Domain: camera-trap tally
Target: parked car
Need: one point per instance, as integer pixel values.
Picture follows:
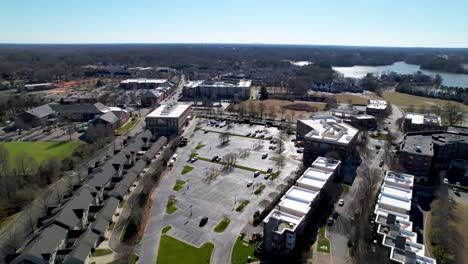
(174, 157)
(335, 214)
(269, 170)
(300, 150)
(203, 221)
(267, 176)
(249, 183)
(256, 174)
(381, 163)
(265, 155)
(248, 134)
(341, 202)
(192, 160)
(446, 181)
(330, 221)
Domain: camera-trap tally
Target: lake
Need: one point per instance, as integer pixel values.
(448, 79)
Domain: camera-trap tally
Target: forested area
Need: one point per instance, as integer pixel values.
(40, 63)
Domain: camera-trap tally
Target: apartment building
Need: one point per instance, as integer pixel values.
(425, 153)
(287, 222)
(393, 221)
(377, 107)
(142, 83)
(323, 135)
(235, 89)
(168, 120)
(422, 122)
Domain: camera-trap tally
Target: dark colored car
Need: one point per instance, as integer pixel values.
(203, 221)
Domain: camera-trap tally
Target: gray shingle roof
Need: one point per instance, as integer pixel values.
(79, 254)
(39, 248)
(41, 111)
(109, 208)
(109, 117)
(96, 108)
(70, 214)
(100, 225)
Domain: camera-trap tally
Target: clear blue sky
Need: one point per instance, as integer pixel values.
(429, 23)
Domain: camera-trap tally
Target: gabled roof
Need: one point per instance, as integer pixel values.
(100, 225)
(96, 108)
(79, 254)
(103, 177)
(70, 214)
(109, 208)
(38, 250)
(41, 111)
(109, 117)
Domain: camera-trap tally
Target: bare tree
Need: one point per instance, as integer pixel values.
(453, 113)
(229, 161)
(223, 138)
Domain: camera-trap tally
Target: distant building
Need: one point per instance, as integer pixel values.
(168, 120)
(39, 116)
(356, 119)
(424, 154)
(39, 87)
(337, 86)
(142, 83)
(324, 135)
(393, 221)
(377, 107)
(422, 122)
(152, 98)
(235, 89)
(287, 222)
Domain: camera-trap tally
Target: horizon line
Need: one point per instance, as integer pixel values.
(224, 43)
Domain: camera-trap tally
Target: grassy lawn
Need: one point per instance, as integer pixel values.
(175, 251)
(199, 146)
(179, 185)
(186, 170)
(101, 252)
(243, 204)
(241, 251)
(111, 226)
(345, 188)
(323, 243)
(121, 204)
(222, 225)
(127, 126)
(166, 229)
(5, 222)
(41, 150)
(170, 207)
(381, 137)
(354, 99)
(259, 190)
(405, 100)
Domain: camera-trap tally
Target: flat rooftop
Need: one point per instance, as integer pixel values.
(325, 163)
(330, 128)
(217, 83)
(420, 119)
(144, 80)
(399, 179)
(287, 221)
(377, 104)
(169, 111)
(418, 144)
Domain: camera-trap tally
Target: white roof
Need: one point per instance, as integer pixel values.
(419, 119)
(380, 210)
(293, 204)
(395, 197)
(289, 221)
(193, 84)
(377, 104)
(330, 128)
(399, 179)
(144, 80)
(169, 111)
(241, 83)
(325, 163)
(302, 194)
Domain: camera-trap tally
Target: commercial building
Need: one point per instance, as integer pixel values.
(425, 153)
(287, 222)
(168, 120)
(142, 83)
(377, 107)
(323, 135)
(422, 122)
(39, 87)
(393, 221)
(356, 119)
(235, 89)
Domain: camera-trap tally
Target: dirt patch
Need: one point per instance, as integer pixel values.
(280, 108)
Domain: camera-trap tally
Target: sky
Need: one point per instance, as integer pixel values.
(404, 23)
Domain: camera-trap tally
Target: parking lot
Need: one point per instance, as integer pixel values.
(216, 193)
